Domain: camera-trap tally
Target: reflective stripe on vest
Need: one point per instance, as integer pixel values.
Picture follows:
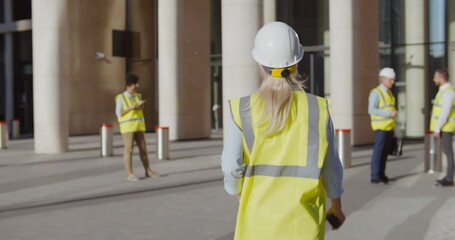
(133, 121)
(126, 102)
(282, 171)
(449, 125)
(386, 103)
(245, 115)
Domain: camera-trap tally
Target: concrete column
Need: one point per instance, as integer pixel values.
(451, 38)
(241, 19)
(50, 75)
(269, 11)
(354, 64)
(184, 68)
(167, 64)
(9, 68)
(415, 68)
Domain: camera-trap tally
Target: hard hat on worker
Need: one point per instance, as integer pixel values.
(277, 45)
(387, 72)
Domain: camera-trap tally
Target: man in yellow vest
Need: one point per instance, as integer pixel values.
(129, 111)
(279, 157)
(442, 121)
(381, 107)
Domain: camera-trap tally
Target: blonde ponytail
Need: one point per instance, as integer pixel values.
(276, 99)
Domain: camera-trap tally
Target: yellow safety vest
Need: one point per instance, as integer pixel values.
(387, 103)
(436, 112)
(133, 121)
(282, 193)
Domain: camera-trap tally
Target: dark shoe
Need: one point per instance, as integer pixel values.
(440, 180)
(444, 183)
(376, 181)
(385, 179)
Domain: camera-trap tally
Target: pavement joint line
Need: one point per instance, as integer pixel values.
(109, 195)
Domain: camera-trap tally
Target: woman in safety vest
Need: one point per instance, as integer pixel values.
(129, 110)
(279, 157)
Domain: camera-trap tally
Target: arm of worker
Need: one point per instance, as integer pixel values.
(118, 107)
(373, 103)
(332, 170)
(232, 163)
(447, 104)
(332, 175)
(119, 111)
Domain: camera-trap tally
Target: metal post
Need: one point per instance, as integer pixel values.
(107, 140)
(162, 145)
(216, 107)
(3, 135)
(433, 153)
(312, 80)
(343, 145)
(15, 129)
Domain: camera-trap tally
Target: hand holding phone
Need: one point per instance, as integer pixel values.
(333, 220)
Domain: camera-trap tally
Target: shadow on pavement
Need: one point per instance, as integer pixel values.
(405, 176)
(388, 160)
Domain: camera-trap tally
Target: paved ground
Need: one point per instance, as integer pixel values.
(78, 195)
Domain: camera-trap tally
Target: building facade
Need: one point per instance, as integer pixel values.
(63, 61)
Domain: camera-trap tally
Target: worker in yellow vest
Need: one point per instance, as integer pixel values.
(381, 107)
(279, 156)
(442, 121)
(129, 111)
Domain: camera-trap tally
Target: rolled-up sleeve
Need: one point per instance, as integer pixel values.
(118, 107)
(232, 163)
(332, 170)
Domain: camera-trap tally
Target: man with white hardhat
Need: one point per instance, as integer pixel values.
(381, 107)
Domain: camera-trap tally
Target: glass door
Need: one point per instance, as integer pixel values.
(314, 67)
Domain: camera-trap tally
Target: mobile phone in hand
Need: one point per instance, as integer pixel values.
(333, 220)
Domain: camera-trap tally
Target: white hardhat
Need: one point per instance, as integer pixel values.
(387, 72)
(277, 45)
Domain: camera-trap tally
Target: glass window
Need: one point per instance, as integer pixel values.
(2, 11)
(22, 9)
(437, 43)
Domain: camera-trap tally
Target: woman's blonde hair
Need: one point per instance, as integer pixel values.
(275, 95)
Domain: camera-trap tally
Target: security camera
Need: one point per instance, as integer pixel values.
(100, 55)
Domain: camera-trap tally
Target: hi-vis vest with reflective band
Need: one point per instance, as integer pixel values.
(282, 194)
(133, 121)
(387, 103)
(436, 112)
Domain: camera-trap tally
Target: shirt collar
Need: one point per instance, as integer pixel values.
(383, 87)
(444, 86)
(128, 94)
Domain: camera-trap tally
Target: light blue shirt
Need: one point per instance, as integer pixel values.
(373, 103)
(119, 104)
(233, 166)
